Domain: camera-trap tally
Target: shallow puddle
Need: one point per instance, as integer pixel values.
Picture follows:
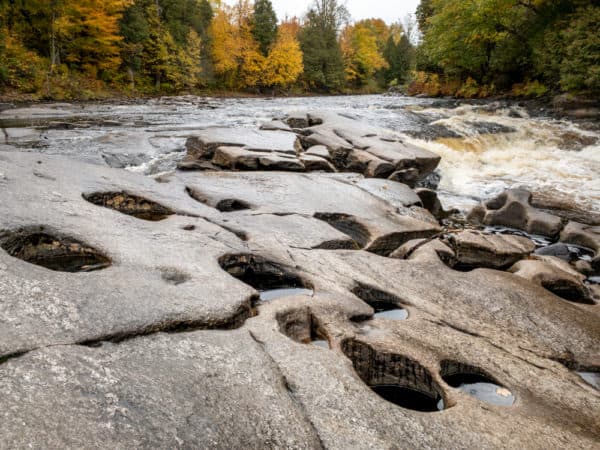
(320, 343)
(539, 240)
(481, 388)
(392, 314)
(592, 378)
(409, 398)
(272, 294)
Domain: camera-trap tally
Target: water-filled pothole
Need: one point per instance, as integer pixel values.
(476, 383)
(386, 305)
(396, 378)
(301, 326)
(273, 280)
(391, 314)
(132, 205)
(591, 378)
(272, 294)
(37, 246)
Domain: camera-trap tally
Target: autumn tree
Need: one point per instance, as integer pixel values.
(362, 57)
(90, 34)
(284, 62)
(264, 25)
(236, 54)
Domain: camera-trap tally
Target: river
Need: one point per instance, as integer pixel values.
(485, 146)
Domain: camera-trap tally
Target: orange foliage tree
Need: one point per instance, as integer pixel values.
(90, 34)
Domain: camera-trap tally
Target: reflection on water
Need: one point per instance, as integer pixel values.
(320, 343)
(272, 294)
(592, 378)
(392, 314)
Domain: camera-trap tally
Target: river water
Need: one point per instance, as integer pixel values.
(485, 147)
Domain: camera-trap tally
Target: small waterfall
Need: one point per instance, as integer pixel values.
(491, 151)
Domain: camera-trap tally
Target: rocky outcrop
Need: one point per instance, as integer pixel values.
(475, 249)
(330, 143)
(555, 275)
(513, 209)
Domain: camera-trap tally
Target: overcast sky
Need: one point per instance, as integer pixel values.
(388, 10)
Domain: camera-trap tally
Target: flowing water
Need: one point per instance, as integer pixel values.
(485, 146)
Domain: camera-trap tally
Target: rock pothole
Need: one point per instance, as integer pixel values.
(302, 326)
(224, 205)
(60, 253)
(232, 205)
(386, 305)
(271, 279)
(476, 382)
(396, 378)
(347, 224)
(132, 205)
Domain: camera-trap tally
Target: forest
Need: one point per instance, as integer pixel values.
(86, 49)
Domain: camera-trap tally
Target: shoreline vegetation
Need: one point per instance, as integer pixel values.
(92, 50)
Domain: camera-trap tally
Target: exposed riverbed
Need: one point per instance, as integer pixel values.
(485, 147)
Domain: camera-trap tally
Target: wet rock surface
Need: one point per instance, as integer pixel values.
(156, 335)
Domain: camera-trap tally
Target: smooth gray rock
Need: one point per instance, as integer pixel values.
(169, 391)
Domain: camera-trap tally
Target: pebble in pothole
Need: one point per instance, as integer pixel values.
(474, 382)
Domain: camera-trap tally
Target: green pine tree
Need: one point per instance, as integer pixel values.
(264, 25)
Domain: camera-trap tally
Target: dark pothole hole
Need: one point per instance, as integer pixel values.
(395, 378)
(272, 280)
(475, 382)
(132, 205)
(56, 252)
(302, 326)
(348, 225)
(225, 205)
(386, 305)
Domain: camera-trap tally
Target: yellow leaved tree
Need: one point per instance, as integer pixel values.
(362, 56)
(284, 62)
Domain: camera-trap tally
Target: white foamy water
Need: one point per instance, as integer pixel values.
(542, 155)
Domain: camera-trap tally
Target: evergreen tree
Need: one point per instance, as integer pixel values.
(264, 25)
(323, 61)
(399, 56)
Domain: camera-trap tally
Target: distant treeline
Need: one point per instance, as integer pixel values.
(89, 48)
(63, 48)
(481, 47)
